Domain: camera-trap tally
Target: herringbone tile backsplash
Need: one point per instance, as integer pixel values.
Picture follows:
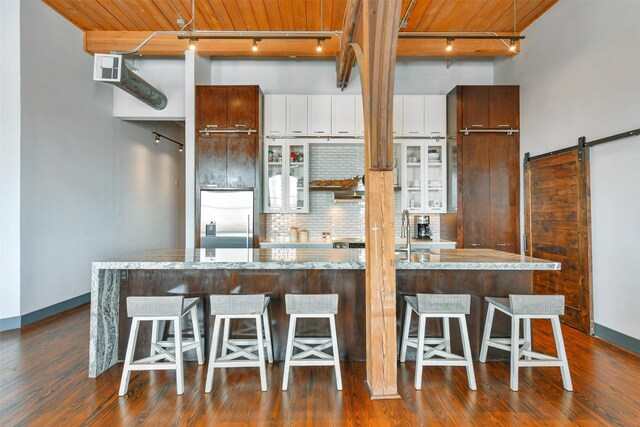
(341, 219)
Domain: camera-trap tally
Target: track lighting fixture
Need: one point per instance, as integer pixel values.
(192, 44)
(158, 136)
(512, 45)
(319, 46)
(449, 47)
(254, 47)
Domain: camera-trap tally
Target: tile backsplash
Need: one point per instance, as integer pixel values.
(333, 161)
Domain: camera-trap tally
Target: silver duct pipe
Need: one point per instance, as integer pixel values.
(139, 88)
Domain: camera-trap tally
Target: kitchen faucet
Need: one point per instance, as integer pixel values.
(405, 231)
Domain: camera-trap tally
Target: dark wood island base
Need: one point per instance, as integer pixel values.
(348, 284)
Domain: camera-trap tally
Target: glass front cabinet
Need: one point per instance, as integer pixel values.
(286, 176)
(424, 176)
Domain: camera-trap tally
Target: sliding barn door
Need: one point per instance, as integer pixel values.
(558, 228)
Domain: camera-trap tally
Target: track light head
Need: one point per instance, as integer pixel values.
(449, 47)
(157, 141)
(513, 45)
(180, 148)
(254, 47)
(192, 45)
(319, 46)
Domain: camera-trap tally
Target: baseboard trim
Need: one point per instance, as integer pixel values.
(617, 338)
(43, 313)
(9, 323)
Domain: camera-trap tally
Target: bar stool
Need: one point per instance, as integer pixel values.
(225, 308)
(527, 307)
(157, 309)
(444, 307)
(322, 306)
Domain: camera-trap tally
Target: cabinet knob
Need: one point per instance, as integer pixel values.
(503, 126)
(318, 131)
(296, 131)
(343, 131)
(477, 126)
(475, 245)
(502, 244)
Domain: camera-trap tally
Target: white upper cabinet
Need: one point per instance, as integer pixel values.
(435, 115)
(275, 115)
(343, 115)
(296, 115)
(319, 114)
(360, 116)
(413, 115)
(397, 115)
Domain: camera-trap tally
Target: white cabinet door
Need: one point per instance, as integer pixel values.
(360, 116)
(413, 115)
(435, 176)
(296, 115)
(343, 115)
(275, 115)
(397, 115)
(319, 114)
(435, 115)
(413, 175)
(286, 176)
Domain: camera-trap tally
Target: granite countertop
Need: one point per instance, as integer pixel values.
(318, 259)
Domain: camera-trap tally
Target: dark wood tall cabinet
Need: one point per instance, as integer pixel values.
(228, 157)
(484, 172)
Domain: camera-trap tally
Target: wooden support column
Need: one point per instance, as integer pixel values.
(375, 45)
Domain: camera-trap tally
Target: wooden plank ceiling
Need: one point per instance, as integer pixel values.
(122, 24)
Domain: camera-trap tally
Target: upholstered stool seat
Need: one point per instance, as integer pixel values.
(155, 309)
(525, 308)
(312, 349)
(437, 351)
(236, 353)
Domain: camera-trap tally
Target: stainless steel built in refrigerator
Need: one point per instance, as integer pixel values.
(226, 219)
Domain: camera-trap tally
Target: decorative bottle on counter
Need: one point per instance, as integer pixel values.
(293, 234)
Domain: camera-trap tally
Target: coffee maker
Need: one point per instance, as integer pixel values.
(422, 227)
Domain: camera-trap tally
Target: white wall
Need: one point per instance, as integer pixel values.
(315, 76)
(579, 73)
(92, 186)
(9, 159)
(165, 74)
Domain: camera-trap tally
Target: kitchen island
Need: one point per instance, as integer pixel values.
(479, 272)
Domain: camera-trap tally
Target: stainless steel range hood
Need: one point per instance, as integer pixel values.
(348, 196)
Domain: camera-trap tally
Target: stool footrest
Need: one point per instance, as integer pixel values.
(138, 366)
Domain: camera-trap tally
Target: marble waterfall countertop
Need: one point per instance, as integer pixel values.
(106, 276)
(317, 259)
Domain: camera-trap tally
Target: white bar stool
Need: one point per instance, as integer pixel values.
(444, 307)
(241, 355)
(157, 309)
(322, 306)
(527, 307)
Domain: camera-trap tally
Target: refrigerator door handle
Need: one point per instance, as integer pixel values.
(248, 228)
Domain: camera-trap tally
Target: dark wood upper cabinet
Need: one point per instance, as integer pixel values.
(475, 104)
(242, 107)
(211, 106)
(476, 210)
(486, 168)
(211, 161)
(242, 152)
(504, 185)
(504, 110)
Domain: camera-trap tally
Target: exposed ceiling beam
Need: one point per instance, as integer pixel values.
(107, 41)
(347, 57)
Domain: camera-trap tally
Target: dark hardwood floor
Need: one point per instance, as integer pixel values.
(43, 381)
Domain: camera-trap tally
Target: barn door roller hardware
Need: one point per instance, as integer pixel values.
(581, 146)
